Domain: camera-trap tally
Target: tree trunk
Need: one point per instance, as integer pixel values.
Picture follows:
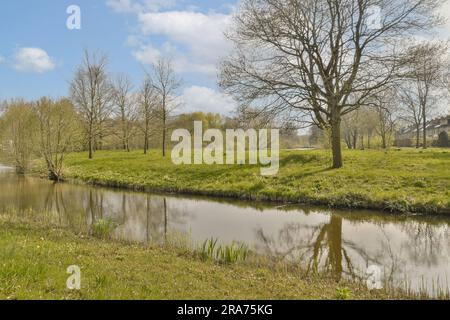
(164, 137)
(146, 143)
(336, 141)
(124, 132)
(91, 153)
(53, 176)
(418, 136)
(424, 128)
(146, 136)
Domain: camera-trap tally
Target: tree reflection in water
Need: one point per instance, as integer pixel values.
(142, 218)
(321, 248)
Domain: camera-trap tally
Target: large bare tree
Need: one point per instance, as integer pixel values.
(91, 94)
(320, 58)
(166, 84)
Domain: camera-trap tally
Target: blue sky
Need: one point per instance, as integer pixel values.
(38, 54)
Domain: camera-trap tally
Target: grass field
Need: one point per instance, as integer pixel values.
(34, 258)
(406, 180)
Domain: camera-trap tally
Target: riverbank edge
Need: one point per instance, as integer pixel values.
(351, 202)
(35, 238)
(348, 201)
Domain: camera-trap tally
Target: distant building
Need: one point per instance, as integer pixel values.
(436, 126)
(406, 136)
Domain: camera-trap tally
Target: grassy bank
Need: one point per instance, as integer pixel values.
(34, 259)
(406, 180)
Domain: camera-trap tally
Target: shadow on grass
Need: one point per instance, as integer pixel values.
(313, 172)
(299, 159)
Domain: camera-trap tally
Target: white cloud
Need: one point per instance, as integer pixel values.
(136, 6)
(122, 5)
(196, 98)
(33, 60)
(2, 59)
(147, 54)
(200, 35)
(193, 40)
(446, 13)
(196, 39)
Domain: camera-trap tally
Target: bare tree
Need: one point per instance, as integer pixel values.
(58, 126)
(125, 108)
(386, 109)
(166, 84)
(411, 111)
(91, 94)
(424, 67)
(147, 101)
(351, 128)
(321, 58)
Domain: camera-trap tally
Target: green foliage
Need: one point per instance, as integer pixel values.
(227, 254)
(443, 140)
(343, 294)
(232, 253)
(208, 249)
(18, 134)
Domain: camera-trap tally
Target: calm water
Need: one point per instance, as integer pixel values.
(345, 243)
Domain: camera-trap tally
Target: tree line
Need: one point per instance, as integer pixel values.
(320, 61)
(102, 111)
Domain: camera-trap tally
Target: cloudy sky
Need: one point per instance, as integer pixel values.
(38, 54)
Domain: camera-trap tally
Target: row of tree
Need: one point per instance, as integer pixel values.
(98, 98)
(320, 61)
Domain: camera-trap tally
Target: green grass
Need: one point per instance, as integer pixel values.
(103, 228)
(34, 258)
(406, 180)
(233, 253)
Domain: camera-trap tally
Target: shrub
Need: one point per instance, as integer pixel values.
(443, 140)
